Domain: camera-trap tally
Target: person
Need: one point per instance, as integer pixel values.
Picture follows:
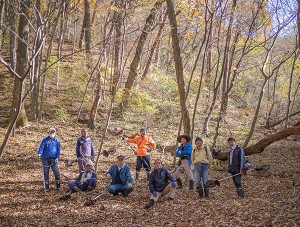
(159, 184)
(144, 144)
(121, 180)
(86, 180)
(201, 159)
(84, 150)
(49, 153)
(184, 152)
(236, 166)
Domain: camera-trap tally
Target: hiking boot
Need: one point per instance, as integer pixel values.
(57, 184)
(90, 188)
(137, 174)
(191, 185)
(150, 204)
(206, 191)
(200, 191)
(47, 189)
(179, 183)
(240, 192)
(127, 191)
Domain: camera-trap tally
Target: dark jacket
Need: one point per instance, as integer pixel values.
(124, 174)
(49, 148)
(237, 159)
(84, 147)
(92, 179)
(159, 179)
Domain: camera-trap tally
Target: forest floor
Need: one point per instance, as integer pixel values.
(272, 197)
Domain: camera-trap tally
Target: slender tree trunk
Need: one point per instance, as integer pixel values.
(298, 22)
(86, 27)
(179, 68)
(139, 49)
(2, 12)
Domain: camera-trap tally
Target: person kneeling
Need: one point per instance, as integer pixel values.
(121, 180)
(86, 181)
(159, 184)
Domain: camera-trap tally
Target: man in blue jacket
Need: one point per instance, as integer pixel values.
(184, 152)
(159, 183)
(236, 165)
(121, 180)
(49, 152)
(84, 150)
(86, 180)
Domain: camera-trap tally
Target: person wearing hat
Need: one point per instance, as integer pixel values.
(144, 144)
(49, 153)
(159, 183)
(184, 152)
(202, 159)
(121, 180)
(86, 180)
(84, 150)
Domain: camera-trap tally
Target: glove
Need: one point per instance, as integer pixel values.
(108, 176)
(173, 184)
(123, 137)
(154, 194)
(56, 161)
(130, 185)
(79, 159)
(243, 172)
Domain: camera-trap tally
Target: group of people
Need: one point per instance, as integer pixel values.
(193, 163)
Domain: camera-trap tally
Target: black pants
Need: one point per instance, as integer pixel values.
(143, 161)
(237, 180)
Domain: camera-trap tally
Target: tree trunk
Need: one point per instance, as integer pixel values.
(179, 68)
(2, 12)
(86, 27)
(21, 67)
(298, 23)
(262, 144)
(137, 57)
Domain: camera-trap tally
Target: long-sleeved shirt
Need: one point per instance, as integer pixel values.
(143, 143)
(201, 156)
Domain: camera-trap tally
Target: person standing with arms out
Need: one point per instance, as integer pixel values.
(49, 153)
(84, 150)
(184, 152)
(202, 159)
(144, 145)
(236, 165)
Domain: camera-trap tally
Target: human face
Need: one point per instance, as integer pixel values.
(84, 133)
(120, 163)
(157, 164)
(199, 143)
(88, 168)
(231, 143)
(183, 141)
(142, 133)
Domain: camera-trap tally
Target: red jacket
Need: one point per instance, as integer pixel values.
(143, 144)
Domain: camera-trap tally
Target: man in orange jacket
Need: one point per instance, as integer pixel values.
(144, 144)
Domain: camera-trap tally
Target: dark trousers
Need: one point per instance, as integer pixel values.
(143, 161)
(237, 180)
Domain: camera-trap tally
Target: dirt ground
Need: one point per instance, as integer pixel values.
(271, 197)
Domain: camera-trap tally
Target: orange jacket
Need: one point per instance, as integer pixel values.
(143, 144)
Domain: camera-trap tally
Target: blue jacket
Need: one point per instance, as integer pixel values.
(236, 160)
(185, 152)
(93, 179)
(159, 179)
(84, 147)
(124, 174)
(49, 148)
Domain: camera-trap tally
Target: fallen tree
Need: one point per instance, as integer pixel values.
(263, 143)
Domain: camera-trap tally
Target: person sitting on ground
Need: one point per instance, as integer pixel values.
(121, 180)
(184, 152)
(159, 183)
(84, 150)
(202, 159)
(86, 180)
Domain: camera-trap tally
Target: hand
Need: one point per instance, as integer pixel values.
(79, 159)
(130, 185)
(108, 176)
(154, 194)
(56, 161)
(39, 156)
(173, 184)
(149, 150)
(243, 172)
(93, 158)
(123, 137)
